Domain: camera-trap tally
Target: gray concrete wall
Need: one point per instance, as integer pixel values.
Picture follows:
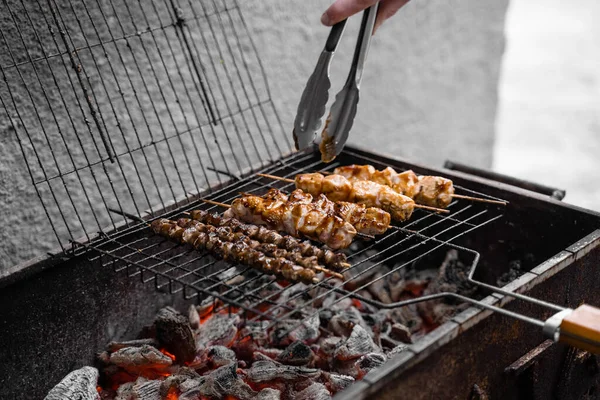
(548, 126)
(429, 93)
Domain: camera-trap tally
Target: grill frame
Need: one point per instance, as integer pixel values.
(69, 283)
(171, 267)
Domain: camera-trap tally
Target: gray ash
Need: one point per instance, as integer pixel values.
(320, 344)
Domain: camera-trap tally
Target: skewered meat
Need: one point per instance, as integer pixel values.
(433, 191)
(236, 251)
(334, 261)
(295, 218)
(366, 220)
(368, 193)
(226, 233)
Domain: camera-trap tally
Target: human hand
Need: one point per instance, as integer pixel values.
(342, 9)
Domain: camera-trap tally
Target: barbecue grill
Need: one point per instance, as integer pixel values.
(126, 113)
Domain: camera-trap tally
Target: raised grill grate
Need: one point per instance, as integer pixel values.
(175, 268)
(131, 106)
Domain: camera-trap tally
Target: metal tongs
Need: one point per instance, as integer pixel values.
(314, 98)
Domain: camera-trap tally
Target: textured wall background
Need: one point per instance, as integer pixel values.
(429, 93)
(549, 113)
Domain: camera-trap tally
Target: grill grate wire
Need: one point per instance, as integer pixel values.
(132, 106)
(176, 268)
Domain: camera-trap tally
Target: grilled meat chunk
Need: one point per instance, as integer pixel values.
(433, 191)
(332, 260)
(206, 237)
(368, 193)
(297, 219)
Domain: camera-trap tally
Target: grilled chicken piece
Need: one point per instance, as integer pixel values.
(433, 191)
(368, 193)
(294, 218)
(367, 220)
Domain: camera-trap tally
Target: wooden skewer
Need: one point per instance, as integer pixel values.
(216, 203)
(279, 178)
(439, 210)
(479, 199)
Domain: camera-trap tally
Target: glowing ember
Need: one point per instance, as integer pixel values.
(317, 350)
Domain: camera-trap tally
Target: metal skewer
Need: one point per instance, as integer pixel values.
(316, 267)
(279, 178)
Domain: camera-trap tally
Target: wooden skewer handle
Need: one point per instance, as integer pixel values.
(279, 178)
(581, 329)
(479, 199)
(216, 203)
(440, 210)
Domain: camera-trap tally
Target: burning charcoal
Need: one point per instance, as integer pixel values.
(173, 331)
(387, 343)
(141, 389)
(325, 316)
(397, 350)
(269, 394)
(288, 331)
(257, 331)
(207, 306)
(514, 271)
(378, 321)
(253, 336)
(138, 359)
(172, 383)
(343, 322)
(358, 368)
(115, 346)
(371, 360)
(266, 353)
(219, 356)
(296, 353)
(194, 317)
(220, 383)
(336, 382)
(264, 371)
(77, 385)
(407, 316)
(124, 391)
(329, 345)
(358, 344)
(378, 289)
(316, 391)
(401, 333)
(436, 313)
(214, 357)
(397, 290)
(219, 329)
(340, 305)
(453, 277)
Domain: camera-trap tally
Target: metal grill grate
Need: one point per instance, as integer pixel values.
(132, 106)
(175, 268)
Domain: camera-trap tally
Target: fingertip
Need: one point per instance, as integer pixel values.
(326, 19)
